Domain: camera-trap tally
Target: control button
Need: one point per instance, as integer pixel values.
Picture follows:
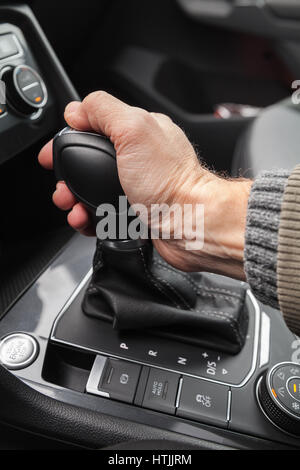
(35, 93)
(113, 378)
(279, 396)
(25, 76)
(120, 380)
(30, 86)
(161, 391)
(203, 401)
(8, 46)
(293, 387)
(3, 110)
(26, 92)
(18, 351)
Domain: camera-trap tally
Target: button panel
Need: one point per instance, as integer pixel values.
(160, 390)
(204, 401)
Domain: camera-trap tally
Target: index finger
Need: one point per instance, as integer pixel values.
(45, 156)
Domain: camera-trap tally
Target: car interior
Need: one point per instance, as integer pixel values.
(73, 374)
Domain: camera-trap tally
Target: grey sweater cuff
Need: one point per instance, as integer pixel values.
(288, 258)
(261, 241)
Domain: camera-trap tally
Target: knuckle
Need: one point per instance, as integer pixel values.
(137, 123)
(94, 99)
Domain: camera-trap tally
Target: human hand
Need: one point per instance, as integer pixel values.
(157, 164)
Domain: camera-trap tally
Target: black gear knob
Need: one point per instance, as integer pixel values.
(86, 162)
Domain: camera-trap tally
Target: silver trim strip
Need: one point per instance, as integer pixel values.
(179, 393)
(70, 300)
(265, 339)
(229, 399)
(95, 377)
(83, 348)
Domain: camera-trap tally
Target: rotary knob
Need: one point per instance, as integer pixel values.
(279, 396)
(25, 89)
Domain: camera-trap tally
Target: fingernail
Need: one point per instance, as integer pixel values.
(72, 107)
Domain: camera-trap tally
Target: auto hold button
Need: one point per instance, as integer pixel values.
(18, 351)
(161, 391)
(204, 401)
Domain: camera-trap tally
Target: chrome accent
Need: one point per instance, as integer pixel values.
(95, 377)
(265, 339)
(179, 393)
(229, 399)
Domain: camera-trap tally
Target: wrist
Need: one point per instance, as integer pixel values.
(225, 205)
(225, 208)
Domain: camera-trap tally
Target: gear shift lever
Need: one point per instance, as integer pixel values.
(87, 163)
(131, 286)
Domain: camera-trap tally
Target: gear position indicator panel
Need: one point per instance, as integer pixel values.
(75, 329)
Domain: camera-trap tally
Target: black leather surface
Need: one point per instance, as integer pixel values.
(136, 290)
(271, 141)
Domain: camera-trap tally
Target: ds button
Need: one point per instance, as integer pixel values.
(203, 401)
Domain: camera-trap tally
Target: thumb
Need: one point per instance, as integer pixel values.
(105, 114)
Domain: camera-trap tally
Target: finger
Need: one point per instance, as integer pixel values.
(76, 116)
(79, 217)
(62, 197)
(45, 156)
(110, 116)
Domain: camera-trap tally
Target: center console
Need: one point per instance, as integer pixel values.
(73, 372)
(199, 392)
